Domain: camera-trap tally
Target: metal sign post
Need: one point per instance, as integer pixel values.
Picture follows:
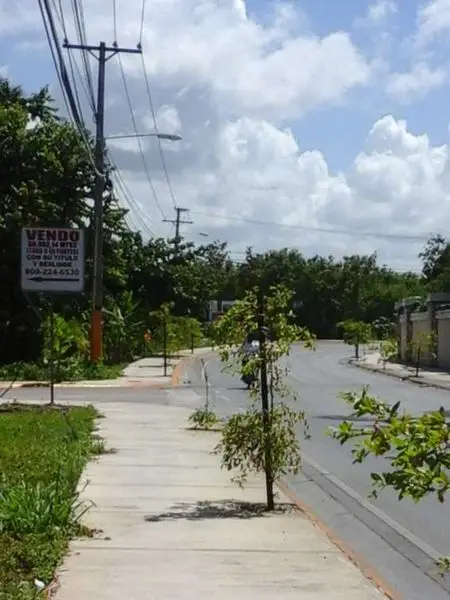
(165, 344)
(52, 354)
(52, 262)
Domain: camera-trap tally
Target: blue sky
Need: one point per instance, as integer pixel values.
(366, 107)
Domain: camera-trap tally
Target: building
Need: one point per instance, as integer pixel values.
(218, 307)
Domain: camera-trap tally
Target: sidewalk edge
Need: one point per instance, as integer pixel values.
(178, 368)
(175, 379)
(414, 380)
(368, 572)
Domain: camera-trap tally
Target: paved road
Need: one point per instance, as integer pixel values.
(398, 542)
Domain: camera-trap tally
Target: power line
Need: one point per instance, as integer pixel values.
(115, 20)
(155, 124)
(60, 66)
(61, 72)
(141, 152)
(132, 203)
(89, 92)
(153, 111)
(54, 57)
(80, 26)
(72, 64)
(395, 236)
(142, 22)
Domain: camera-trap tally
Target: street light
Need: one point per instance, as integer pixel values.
(172, 137)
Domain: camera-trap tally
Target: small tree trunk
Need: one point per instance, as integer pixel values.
(357, 350)
(265, 407)
(418, 362)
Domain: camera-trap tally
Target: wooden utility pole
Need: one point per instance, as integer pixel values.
(102, 53)
(265, 402)
(177, 222)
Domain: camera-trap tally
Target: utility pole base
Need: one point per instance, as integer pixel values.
(96, 336)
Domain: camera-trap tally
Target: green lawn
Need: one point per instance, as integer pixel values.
(43, 451)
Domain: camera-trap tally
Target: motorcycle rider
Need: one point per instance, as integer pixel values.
(250, 350)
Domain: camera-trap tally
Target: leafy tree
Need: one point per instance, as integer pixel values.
(47, 177)
(356, 333)
(261, 439)
(436, 263)
(422, 346)
(388, 350)
(383, 328)
(415, 448)
(123, 329)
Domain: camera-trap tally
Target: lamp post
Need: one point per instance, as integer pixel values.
(97, 325)
(171, 137)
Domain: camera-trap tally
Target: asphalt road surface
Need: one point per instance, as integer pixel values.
(400, 540)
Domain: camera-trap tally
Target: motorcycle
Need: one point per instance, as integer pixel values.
(250, 378)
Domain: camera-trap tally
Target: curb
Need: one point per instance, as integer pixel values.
(175, 380)
(352, 556)
(178, 369)
(412, 379)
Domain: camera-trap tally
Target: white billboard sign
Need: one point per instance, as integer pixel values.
(52, 259)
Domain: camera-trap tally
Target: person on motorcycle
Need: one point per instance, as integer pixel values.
(250, 349)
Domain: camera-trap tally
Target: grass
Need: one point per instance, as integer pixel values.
(43, 451)
(68, 370)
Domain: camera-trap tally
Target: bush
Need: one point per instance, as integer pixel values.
(42, 453)
(71, 369)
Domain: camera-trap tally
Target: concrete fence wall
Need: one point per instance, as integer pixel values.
(421, 327)
(411, 325)
(443, 341)
(403, 337)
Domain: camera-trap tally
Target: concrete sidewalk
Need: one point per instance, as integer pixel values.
(148, 372)
(175, 528)
(431, 377)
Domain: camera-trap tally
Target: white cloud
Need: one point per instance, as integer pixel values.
(416, 83)
(230, 84)
(168, 119)
(269, 69)
(379, 11)
(433, 20)
(399, 184)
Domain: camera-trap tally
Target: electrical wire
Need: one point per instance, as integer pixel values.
(80, 26)
(128, 198)
(71, 96)
(152, 109)
(155, 124)
(141, 152)
(72, 66)
(115, 20)
(58, 60)
(394, 236)
(141, 33)
(62, 75)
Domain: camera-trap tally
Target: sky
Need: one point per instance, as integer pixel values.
(321, 125)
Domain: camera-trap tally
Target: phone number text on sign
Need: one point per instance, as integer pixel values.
(52, 259)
